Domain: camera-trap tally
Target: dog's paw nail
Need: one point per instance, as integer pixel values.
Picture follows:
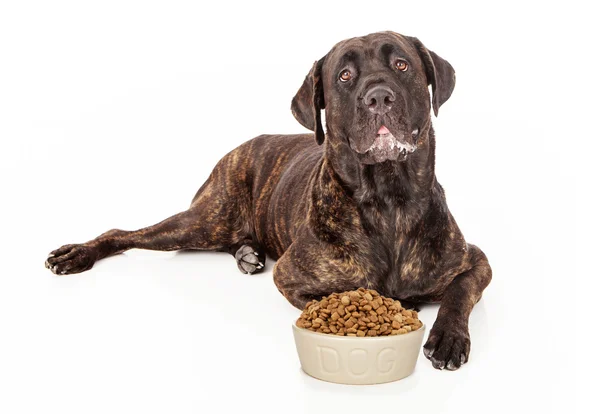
(437, 364)
(49, 256)
(256, 253)
(450, 366)
(463, 358)
(427, 352)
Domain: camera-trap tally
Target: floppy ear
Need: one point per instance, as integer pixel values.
(309, 100)
(440, 75)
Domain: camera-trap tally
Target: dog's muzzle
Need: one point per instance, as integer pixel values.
(388, 146)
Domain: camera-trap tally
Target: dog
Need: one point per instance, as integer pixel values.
(357, 206)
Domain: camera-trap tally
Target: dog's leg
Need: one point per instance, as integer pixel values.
(199, 228)
(449, 344)
(181, 231)
(312, 273)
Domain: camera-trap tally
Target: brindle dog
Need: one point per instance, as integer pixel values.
(357, 206)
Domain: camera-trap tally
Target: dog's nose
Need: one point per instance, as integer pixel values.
(379, 99)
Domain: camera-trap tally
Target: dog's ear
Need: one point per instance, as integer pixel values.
(309, 100)
(440, 75)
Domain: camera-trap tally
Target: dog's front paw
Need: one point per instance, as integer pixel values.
(71, 258)
(448, 346)
(249, 260)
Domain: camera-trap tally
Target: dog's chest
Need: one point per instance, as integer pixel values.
(410, 253)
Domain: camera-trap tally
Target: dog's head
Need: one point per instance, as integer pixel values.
(374, 90)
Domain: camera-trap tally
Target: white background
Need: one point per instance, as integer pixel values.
(113, 113)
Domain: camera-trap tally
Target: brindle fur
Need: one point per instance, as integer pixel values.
(331, 218)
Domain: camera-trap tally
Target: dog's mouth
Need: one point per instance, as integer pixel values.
(387, 146)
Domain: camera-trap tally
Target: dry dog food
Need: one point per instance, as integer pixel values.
(359, 312)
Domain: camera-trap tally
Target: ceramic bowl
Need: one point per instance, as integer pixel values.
(356, 360)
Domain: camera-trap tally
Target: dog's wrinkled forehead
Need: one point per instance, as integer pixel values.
(369, 49)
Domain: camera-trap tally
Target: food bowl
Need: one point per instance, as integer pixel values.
(356, 360)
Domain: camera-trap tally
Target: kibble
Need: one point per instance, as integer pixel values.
(361, 313)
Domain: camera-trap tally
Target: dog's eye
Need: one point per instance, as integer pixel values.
(401, 64)
(345, 76)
